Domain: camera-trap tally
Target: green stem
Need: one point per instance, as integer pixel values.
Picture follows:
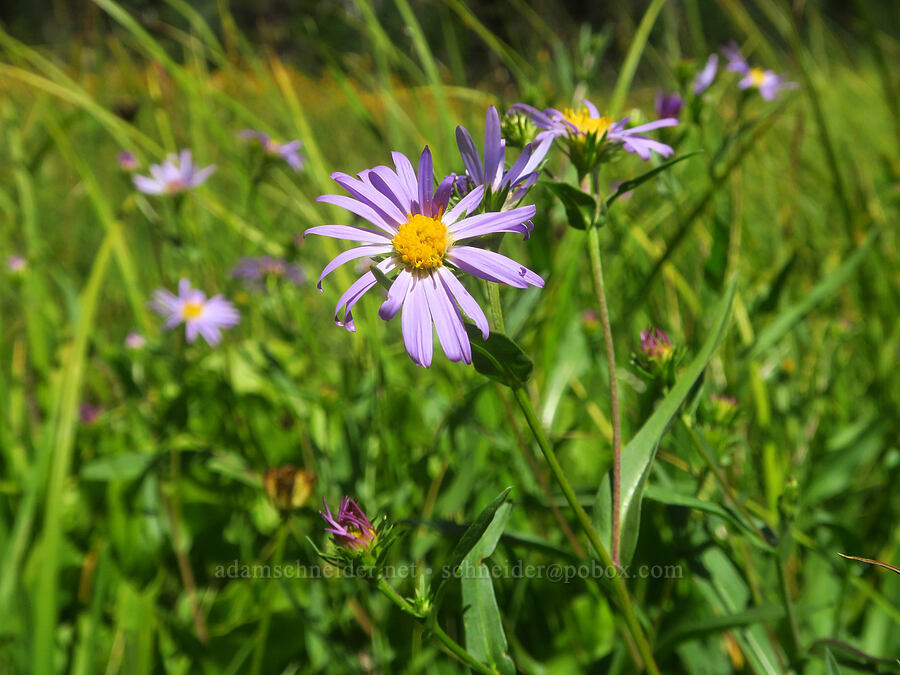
(796, 643)
(618, 580)
(452, 646)
(597, 272)
(497, 322)
(263, 632)
(398, 599)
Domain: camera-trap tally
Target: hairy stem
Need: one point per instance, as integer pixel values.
(581, 515)
(597, 273)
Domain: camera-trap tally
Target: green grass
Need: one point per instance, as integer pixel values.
(111, 532)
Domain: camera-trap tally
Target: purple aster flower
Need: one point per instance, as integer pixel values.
(134, 340)
(492, 174)
(351, 529)
(88, 413)
(289, 151)
(176, 174)
(668, 105)
(655, 344)
(767, 82)
(16, 264)
(420, 237)
(128, 161)
(200, 315)
(587, 122)
(255, 270)
(706, 76)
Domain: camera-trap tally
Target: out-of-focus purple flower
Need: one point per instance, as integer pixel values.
(89, 413)
(492, 173)
(668, 105)
(351, 529)
(655, 344)
(176, 174)
(724, 400)
(255, 270)
(418, 235)
(588, 122)
(590, 319)
(128, 161)
(200, 315)
(134, 340)
(289, 151)
(706, 76)
(767, 82)
(16, 264)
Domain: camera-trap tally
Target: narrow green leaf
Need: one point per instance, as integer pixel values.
(672, 498)
(485, 639)
(629, 185)
(499, 358)
(822, 290)
(124, 466)
(637, 457)
(633, 57)
(831, 664)
(468, 541)
(581, 208)
(685, 631)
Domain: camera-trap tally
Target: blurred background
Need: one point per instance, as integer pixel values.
(135, 471)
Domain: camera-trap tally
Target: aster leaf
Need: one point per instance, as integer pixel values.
(499, 358)
(467, 542)
(629, 185)
(637, 457)
(581, 208)
(485, 639)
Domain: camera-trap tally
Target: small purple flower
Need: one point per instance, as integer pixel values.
(767, 82)
(176, 174)
(289, 151)
(492, 173)
(578, 125)
(134, 340)
(668, 105)
(200, 315)
(255, 270)
(655, 344)
(706, 76)
(419, 236)
(461, 184)
(351, 529)
(88, 413)
(128, 161)
(724, 400)
(16, 264)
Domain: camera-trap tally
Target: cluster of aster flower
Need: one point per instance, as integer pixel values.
(427, 240)
(201, 315)
(767, 82)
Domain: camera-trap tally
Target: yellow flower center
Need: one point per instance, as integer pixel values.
(191, 310)
(421, 242)
(175, 186)
(757, 76)
(586, 124)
